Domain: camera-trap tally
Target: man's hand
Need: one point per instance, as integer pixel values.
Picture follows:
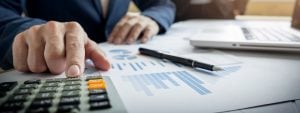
(131, 27)
(56, 47)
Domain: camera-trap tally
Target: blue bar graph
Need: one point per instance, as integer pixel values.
(133, 67)
(120, 51)
(178, 65)
(164, 81)
(137, 66)
(227, 70)
(144, 64)
(152, 63)
(160, 63)
(120, 67)
(112, 66)
(170, 79)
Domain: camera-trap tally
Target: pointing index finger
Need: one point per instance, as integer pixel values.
(75, 39)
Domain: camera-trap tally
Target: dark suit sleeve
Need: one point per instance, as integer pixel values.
(12, 23)
(161, 11)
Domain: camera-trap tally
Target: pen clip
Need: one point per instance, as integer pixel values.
(193, 64)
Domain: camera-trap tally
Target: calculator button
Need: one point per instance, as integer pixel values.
(70, 83)
(48, 89)
(32, 82)
(41, 103)
(93, 77)
(72, 79)
(9, 111)
(68, 109)
(24, 91)
(69, 101)
(70, 88)
(99, 105)
(2, 94)
(55, 80)
(96, 81)
(45, 96)
(18, 98)
(27, 86)
(97, 91)
(98, 98)
(96, 86)
(12, 105)
(70, 93)
(37, 110)
(7, 86)
(51, 84)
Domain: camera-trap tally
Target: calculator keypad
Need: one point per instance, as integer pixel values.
(62, 95)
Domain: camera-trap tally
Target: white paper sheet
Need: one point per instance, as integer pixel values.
(298, 105)
(147, 87)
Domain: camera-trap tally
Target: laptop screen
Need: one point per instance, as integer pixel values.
(296, 15)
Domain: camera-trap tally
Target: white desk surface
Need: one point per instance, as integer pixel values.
(261, 63)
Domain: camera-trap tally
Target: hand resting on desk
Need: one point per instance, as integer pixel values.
(131, 26)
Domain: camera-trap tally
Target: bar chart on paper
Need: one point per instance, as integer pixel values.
(131, 61)
(139, 65)
(145, 83)
(146, 76)
(126, 60)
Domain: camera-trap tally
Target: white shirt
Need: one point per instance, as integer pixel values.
(104, 4)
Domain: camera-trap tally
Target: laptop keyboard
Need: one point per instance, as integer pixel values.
(270, 34)
(62, 95)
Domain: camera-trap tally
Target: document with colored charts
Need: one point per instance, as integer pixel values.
(150, 85)
(147, 84)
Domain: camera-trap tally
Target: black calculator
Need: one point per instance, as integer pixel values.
(58, 95)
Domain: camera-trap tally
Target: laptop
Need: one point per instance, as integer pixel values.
(251, 35)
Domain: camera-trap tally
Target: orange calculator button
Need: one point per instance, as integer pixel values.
(96, 81)
(96, 86)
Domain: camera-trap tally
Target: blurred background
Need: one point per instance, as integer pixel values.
(229, 9)
(270, 7)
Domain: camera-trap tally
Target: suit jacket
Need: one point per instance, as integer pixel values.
(86, 12)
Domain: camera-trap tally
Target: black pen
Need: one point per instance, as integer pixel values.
(180, 60)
